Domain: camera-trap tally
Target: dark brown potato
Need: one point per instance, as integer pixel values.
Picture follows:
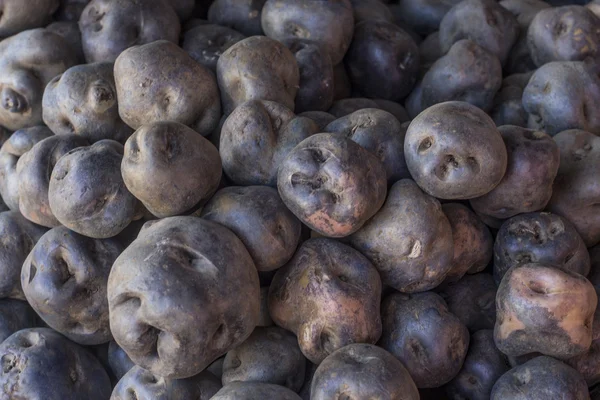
(83, 101)
(64, 279)
(181, 295)
(524, 10)
(108, 27)
(241, 15)
(20, 235)
(28, 61)
(321, 118)
(379, 132)
(118, 361)
(14, 316)
(362, 371)
(33, 172)
(588, 363)
(329, 296)
(330, 23)
(539, 238)
(159, 81)
(473, 242)
(508, 106)
(382, 61)
(576, 191)
(140, 384)
(430, 342)
(532, 165)
(483, 366)
(87, 193)
(18, 144)
(269, 355)
(161, 153)
(568, 33)
(473, 300)
(206, 43)
(257, 68)
(256, 138)
(544, 309)
(259, 218)
(20, 15)
(541, 378)
(483, 21)
(409, 240)
(454, 151)
(255, 391)
(332, 184)
(343, 107)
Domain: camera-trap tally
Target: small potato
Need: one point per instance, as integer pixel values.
(588, 363)
(330, 23)
(19, 15)
(14, 316)
(108, 27)
(140, 384)
(409, 240)
(39, 363)
(257, 68)
(419, 331)
(206, 43)
(19, 143)
(544, 309)
(269, 355)
(64, 279)
(83, 101)
(483, 366)
(329, 296)
(34, 169)
(256, 138)
(539, 238)
(332, 184)
(508, 107)
(243, 16)
(119, 362)
(159, 81)
(181, 295)
(576, 190)
(568, 33)
(382, 61)
(259, 218)
(343, 107)
(161, 153)
(473, 242)
(541, 378)
(254, 391)
(454, 151)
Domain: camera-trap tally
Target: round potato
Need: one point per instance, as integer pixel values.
(254, 391)
(20, 15)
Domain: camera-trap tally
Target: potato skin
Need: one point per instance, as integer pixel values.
(19, 15)
(14, 316)
(182, 269)
(541, 378)
(254, 391)
(243, 16)
(430, 342)
(206, 43)
(362, 371)
(328, 295)
(588, 363)
(540, 308)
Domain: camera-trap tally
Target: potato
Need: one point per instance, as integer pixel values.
(206, 43)
(594, 6)
(343, 305)
(539, 379)
(70, 10)
(12, 149)
(423, 16)
(243, 16)
(269, 355)
(540, 308)
(419, 331)
(254, 391)
(161, 153)
(20, 15)
(396, 109)
(69, 31)
(524, 10)
(179, 270)
(332, 184)
(483, 366)
(330, 23)
(259, 218)
(33, 172)
(108, 27)
(362, 371)
(508, 107)
(119, 362)
(588, 363)
(576, 190)
(371, 10)
(430, 51)
(256, 138)
(170, 86)
(39, 363)
(409, 240)
(343, 107)
(454, 151)
(539, 238)
(28, 61)
(568, 33)
(321, 118)
(257, 68)
(140, 384)
(14, 316)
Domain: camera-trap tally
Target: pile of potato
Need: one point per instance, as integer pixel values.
(299, 199)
